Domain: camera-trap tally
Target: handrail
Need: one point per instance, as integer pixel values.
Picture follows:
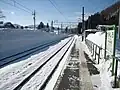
(91, 47)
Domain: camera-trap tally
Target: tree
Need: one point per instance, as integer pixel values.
(53, 28)
(47, 25)
(66, 29)
(41, 25)
(94, 20)
(58, 28)
(21, 27)
(26, 27)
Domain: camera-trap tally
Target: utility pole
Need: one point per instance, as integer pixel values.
(70, 28)
(61, 26)
(83, 25)
(51, 26)
(34, 16)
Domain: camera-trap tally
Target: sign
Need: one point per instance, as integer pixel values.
(110, 44)
(111, 40)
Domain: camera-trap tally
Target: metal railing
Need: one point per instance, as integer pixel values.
(96, 51)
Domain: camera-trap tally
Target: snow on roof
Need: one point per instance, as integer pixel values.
(1, 24)
(91, 30)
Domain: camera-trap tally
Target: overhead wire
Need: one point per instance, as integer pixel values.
(15, 6)
(21, 5)
(57, 9)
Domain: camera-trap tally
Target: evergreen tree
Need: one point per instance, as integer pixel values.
(26, 27)
(21, 27)
(66, 29)
(47, 25)
(58, 28)
(41, 25)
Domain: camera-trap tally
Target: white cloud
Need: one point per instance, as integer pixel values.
(12, 13)
(7, 11)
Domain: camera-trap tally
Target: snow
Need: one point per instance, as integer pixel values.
(52, 82)
(13, 74)
(14, 41)
(39, 78)
(97, 38)
(105, 66)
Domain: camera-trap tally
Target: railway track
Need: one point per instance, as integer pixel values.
(18, 85)
(13, 58)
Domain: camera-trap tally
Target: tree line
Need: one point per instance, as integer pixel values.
(98, 19)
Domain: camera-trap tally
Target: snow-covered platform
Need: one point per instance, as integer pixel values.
(75, 75)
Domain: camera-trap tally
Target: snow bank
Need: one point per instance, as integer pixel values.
(97, 38)
(105, 66)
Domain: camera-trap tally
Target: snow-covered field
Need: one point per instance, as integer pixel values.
(12, 74)
(14, 41)
(105, 66)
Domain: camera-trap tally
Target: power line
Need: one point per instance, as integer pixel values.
(21, 5)
(57, 9)
(15, 6)
(25, 9)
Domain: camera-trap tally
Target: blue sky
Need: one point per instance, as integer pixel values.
(45, 11)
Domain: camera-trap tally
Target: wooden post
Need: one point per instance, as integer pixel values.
(114, 50)
(105, 44)
(119, 26)
(95, 51)
(115, 79)
(99, 55)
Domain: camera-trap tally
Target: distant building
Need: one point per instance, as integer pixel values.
(1, 24)
(17, 26)
(7, 25)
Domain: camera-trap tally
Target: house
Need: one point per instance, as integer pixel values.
(6, 25)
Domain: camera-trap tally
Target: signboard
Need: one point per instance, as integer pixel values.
(111, 39)
(111, 43)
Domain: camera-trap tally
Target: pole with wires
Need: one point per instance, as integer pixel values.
(34, 18)
(83, 24)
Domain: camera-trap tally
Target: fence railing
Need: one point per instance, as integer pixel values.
(97, 51)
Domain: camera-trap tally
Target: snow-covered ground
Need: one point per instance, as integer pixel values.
(14, 41)
(60, 69)
(12, 74)
(105, 66)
